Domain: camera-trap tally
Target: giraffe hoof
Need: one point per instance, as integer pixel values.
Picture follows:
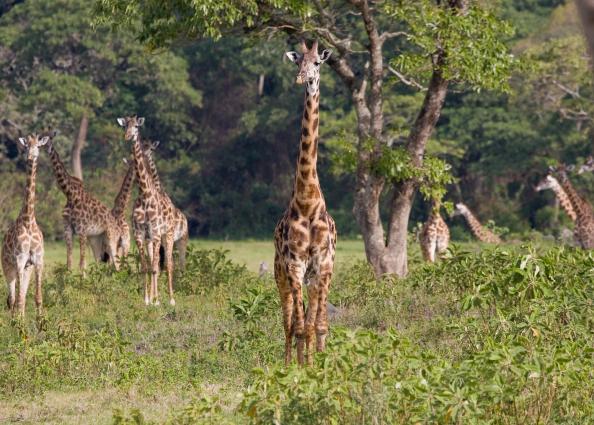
(146, 301)
(171, 302)
(156, 303)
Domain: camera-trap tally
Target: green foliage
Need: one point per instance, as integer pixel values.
(432, 176)
(521, 321)
(473, 42)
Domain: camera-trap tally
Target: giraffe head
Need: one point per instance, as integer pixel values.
(460, 209)
(309, 62)
(588, 165)
(148, 147)
(32, 143)
(549, 182)
(132, 125)
(561, 171)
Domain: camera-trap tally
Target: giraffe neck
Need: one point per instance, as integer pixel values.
(62, 176)
(580, 206)
(476, 227)
(28, 210)
(150, 161)
(564, 201)
(142, 177)
(307, 185)
(121, 200)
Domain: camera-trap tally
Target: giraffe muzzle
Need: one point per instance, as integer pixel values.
(299, 79)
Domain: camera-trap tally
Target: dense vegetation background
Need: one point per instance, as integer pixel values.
(227, 115)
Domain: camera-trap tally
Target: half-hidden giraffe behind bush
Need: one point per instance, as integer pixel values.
(435, 234)
(478, 230)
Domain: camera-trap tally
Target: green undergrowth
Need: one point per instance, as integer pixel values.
(496, 337)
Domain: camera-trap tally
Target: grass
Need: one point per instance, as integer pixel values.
(99, 350)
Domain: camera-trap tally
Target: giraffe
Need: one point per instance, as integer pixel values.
(478, 230)
(119, 209)
(588, 165)
(157, 222)
(435, 234)
(84, 215)
(584, 224)
(22, 247)
(550, 182)
(305, 236)
(181, 235)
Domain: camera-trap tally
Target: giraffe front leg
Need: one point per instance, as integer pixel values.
(24, 279)
(82, 240)
(38, 283)
(155, 271)
(310, 318)
(143, 269)
(68, 233)
(286, 298)
(295, 278)
(322, 316)
(11, 276)
(111, 240)
(169, 265)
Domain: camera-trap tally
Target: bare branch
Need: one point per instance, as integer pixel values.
(408, 82)
(388, 35)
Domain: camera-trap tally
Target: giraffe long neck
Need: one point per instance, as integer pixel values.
(307, 185)
(121, 200)
(28, 210)
(478, 230)
(150, 161)
(142, 177)
(564, 201)
(580, 206)
(62, 175)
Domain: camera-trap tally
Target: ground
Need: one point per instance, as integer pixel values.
(100, 356)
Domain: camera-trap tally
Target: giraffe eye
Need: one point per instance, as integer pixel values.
(317, 63)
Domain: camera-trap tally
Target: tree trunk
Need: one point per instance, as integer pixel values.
(78, 146)
(586, 12)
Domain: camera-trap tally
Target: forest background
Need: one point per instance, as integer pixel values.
(227, 114)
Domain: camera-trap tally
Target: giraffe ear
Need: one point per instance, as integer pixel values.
(570, 168)
(156, 144)
(125, 161)
(23, 141)
(43, 141)
(122, 122)
(140, 121)
(325, 55)
(293, 56)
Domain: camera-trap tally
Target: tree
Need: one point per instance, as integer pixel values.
(440, 41)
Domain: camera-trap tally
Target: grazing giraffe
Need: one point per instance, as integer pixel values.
(22, 247)
(181, 235)
(305, 237)
(84, 215)
(435, 234)
(478, 230)
(584, 224)
(550, 182)
(156, 223)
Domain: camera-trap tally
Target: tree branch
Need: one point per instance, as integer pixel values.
(408, 82)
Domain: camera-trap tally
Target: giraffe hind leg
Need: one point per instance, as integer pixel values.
(322, 316)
